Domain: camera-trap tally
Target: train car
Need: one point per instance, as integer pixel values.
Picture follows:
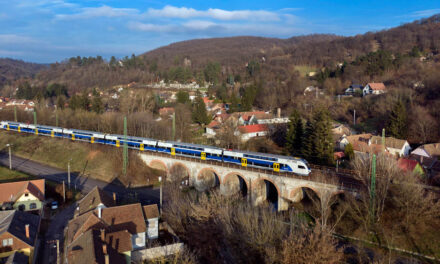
(132, 142)
(266, 161)
(196, 151)
(49, 131)
(84, 135)
(8, 125)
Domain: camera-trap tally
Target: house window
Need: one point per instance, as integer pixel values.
(7, 242)
(26, 195)
(32, 206)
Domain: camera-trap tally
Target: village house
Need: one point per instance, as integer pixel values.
(374, 88)
(18, 233)
(96, 198)
(166, 111)
(367, 143)
(354, 89)
(428, 150)
(411, 166)
(151, 213)
(22, 195)
(250, 131)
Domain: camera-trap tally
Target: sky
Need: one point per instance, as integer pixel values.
(46, 31)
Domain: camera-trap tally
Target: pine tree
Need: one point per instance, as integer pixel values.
(295, 134)
(319, 145)
(398, 121)
(200, 115)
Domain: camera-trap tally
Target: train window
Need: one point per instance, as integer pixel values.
(301, 167)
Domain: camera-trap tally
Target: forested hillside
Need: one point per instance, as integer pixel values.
(11, 70)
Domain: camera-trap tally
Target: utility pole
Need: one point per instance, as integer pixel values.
(58, 251)
(354, 117)
(174, 126)
(383, 139)
(160, 201)
(15, 113)
(10, 156)
(56, 118)
(125, 150)
(35, 118)
(64, 191)
(373, 188)
(68, 172)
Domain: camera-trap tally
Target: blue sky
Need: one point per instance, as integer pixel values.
(51, 30)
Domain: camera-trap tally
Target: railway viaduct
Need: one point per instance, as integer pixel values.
(259, 185)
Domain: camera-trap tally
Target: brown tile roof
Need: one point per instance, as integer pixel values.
(151, 211)
(360, 137)
(14, 223)
(432, 149)
(390, 142)
(119, 240)
(213, 124)
(128, 217)
(93, 199)
(13, 190)
(88, 249)
(377, 86)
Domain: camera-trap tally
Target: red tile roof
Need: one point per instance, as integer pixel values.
(213, 124)
(407, 164)
(377, 86)
(13, 190)
(252, 128)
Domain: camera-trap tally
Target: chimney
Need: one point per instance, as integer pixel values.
(114, 198)
(103, 235)
(99, 211)
(279, 112)
(27, 230)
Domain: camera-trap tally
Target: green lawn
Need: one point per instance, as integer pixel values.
(7, 175)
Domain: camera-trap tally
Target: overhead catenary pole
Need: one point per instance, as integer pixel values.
(56, 118)
(15, 113)
(125, 150)
(174, 127)
(383, 138)
(35, 118)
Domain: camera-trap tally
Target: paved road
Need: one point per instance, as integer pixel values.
(145, 195)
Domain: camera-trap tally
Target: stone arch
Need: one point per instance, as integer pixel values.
(235, 182)
(179, 171)
(297, 194)
(207, 178)
(158, 165)
(265, 189)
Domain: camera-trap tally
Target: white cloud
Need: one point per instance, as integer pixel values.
(102, 11)
(15, 39)
(197, 28)
(214, 13)
(425, 13)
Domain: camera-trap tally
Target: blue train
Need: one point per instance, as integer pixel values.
(265, 161)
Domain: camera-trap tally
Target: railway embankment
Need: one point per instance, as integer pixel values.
(90, 160)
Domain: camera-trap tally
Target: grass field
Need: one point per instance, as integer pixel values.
(7, 175)
(304, 69)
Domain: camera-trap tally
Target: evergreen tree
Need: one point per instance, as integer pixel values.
(319, 144)
(97, 105)
(295, 134)
(398, 121)
(349, 152)
(182, 97)
(200, 115)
